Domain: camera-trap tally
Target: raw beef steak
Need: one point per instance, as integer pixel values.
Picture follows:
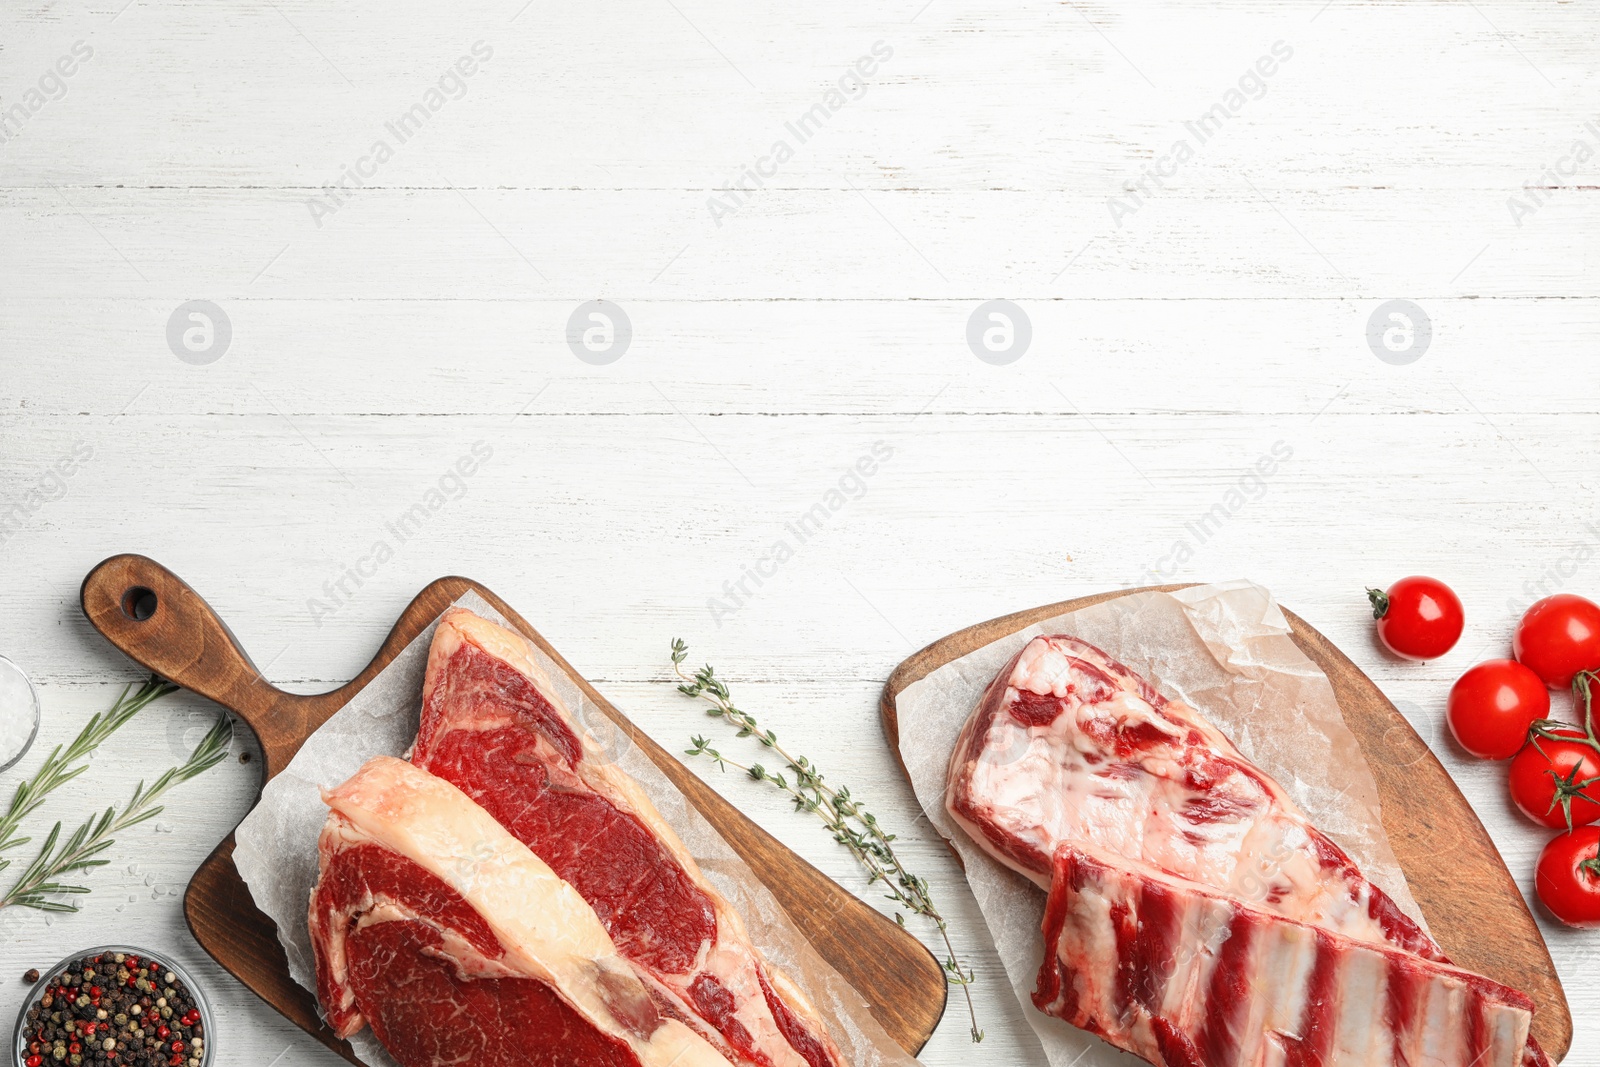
(458, 945)
(1070, 750)
(493, 725)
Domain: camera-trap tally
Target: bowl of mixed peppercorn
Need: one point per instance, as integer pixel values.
(114, 1005)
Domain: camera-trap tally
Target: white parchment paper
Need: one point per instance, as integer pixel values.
(277, 842)
(1225, 649)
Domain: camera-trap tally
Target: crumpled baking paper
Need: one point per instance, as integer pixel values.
(277, 842)
(1225, 649)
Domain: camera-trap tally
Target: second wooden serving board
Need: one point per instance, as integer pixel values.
(1473, 906)
(159, 621)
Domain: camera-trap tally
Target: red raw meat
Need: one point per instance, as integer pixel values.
(1187, 977)
(1070, 751)
(458, 945)
(493, 725)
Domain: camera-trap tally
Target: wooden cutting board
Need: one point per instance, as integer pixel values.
(150, 614)
(1471, 902)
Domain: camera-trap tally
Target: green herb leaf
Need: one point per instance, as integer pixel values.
(65, 764)
(849, 822)
(95, 835)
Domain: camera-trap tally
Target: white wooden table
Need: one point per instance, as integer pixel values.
(380, 331)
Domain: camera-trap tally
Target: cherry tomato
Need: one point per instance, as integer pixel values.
(1492, 705)
(1554, 778)
(1568, 877)
(1558, 637)
(1418, 618)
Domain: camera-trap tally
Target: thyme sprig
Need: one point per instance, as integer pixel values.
(852, 825)
(59, 767)
(81, 853)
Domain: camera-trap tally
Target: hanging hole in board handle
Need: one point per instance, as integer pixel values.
(139, 603)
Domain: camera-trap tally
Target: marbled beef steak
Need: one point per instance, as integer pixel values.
(496, 735)
(457, 945)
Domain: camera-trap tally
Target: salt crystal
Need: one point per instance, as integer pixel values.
(19, 712)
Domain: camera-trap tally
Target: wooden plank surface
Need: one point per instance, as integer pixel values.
(158, 620)
(1456, 875)
(770, 353)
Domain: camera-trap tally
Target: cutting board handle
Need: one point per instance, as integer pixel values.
(157, 619)
(154, 617)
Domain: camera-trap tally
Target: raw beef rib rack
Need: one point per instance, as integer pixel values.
(1196, 917)
(651, 948)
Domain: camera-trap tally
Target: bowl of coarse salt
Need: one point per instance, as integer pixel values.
(19, 714)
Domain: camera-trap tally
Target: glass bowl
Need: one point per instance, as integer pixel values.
(15, 683)
(20, 1042)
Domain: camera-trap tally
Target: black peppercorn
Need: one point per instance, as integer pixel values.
(96, 1012)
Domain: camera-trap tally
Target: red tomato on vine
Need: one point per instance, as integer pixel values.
(1558, 638)
(1492, 706)
(1555, 780)
(1568, 877)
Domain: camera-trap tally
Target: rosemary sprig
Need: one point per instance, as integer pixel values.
(36, 885)
(852, 825)
(58, 769)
